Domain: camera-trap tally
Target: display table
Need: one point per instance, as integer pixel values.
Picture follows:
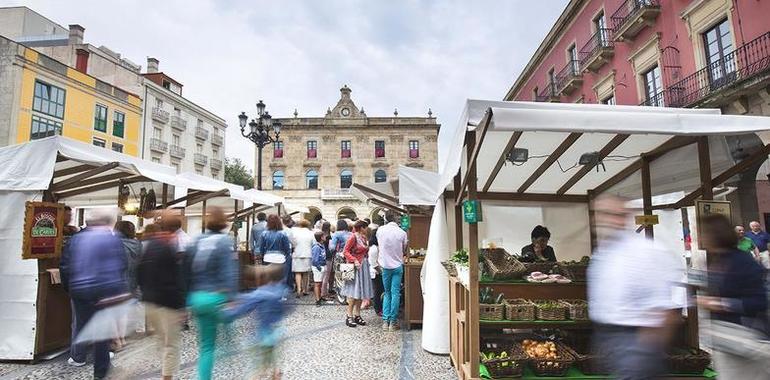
(575, 374)
(413, 303)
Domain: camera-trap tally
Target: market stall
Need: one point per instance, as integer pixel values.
(510, 165)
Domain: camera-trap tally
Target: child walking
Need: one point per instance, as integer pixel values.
(318, 257)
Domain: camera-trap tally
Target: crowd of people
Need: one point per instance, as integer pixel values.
(176, 278)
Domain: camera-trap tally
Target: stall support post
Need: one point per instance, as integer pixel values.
(647, 196)
(458, 217)
(203, 217)
(704, 161)
(473, 266)
(164, 195)
(591, 219)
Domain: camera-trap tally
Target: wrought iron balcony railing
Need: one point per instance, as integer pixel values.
(569, 78)
(201, 133)
(160, 115)
(216, 164)
(200, 159)
(632, 16)
(596, 52)
(158, 145)
(217, 140)
(336, 194)
(177, 151)
(547, 94)
(178, 123)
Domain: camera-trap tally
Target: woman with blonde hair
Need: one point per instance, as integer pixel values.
(302, 239)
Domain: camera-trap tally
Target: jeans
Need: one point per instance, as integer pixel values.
(206, 307)
(77, 351)
(627, 357)
(378, 291)
(391, 298)
(84, 310)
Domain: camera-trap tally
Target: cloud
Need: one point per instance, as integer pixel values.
(404, 54)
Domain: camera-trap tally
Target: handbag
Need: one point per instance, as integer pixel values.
(347, 272)
(739, 340)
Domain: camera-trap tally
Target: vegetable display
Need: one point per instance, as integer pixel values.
(540, 349)
(543, 278)
(460, 256)
(486, 295)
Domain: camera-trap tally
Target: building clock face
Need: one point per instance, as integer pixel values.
(345, 112)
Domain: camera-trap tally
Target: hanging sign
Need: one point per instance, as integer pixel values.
(472, 212)
(43, 230)
(646, 220)
(705, 208)
(406, 222)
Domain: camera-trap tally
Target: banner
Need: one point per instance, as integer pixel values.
(43, 230)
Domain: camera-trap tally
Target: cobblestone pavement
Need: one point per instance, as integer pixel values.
(318, 345)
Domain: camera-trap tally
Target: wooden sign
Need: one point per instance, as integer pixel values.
(43, 230)
(704, 208)
(646, 220)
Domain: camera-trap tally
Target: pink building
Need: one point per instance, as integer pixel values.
(673, 53)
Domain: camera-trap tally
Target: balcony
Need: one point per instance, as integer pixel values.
(332, 194)
(160, 115)
(216, 164)
(177, 151)
(158, 145)
(710, 86)
(547, 94)
(178, 123)
(597, 51)
(217, 140)
(569, 78)
(632, 16)
(200, 159)
(201, 133)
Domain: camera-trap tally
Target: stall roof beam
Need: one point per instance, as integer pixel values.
(248, 210)
(501, 161)
(72, 170)
(99, 187)
(189, 195)
(553, 157)
(369, 190)
(94, 181)
(82, 176)
(206, 196)
(388, 206)
(526, 197)
(603, 153)
(480, 133)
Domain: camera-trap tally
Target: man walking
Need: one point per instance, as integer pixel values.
(256, 235)
(761, 240)
(392, 246)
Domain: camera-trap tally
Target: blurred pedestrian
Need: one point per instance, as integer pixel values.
(737, 302)
(360, 287)
(182, 239)
(336, 250)
(302, 240)
(745, 244)
(160, 277)
(761, 239)
(256, 236)
(393, 245)
(213, 274)
(631, 295)
(288, 223)
(326, 228)
(95, 271)
(126, 231)
(76, 349)
(276, 247)
(376, 273)
(318, 261)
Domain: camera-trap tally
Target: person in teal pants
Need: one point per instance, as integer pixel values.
(393, 245)
(213, 279)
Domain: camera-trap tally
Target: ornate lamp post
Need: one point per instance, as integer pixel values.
(260, 134)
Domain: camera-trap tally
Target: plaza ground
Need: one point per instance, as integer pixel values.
(318, 345)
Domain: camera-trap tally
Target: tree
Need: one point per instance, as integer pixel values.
(237, 173)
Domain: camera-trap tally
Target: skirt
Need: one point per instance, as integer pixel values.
(361, 286)
(300, 265)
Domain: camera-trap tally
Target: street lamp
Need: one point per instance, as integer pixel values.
(260, 133)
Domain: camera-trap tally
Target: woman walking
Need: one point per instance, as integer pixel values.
(126, 231)
(302, 239)
(336, 248)
(276, 248)
(360, 287)
(214, 280)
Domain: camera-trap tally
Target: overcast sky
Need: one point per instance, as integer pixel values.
(409, 55)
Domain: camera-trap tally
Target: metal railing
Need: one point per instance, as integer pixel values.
(335, 193)
(201, 133)
(178, 123)
(629, 9)
(177, 151)
(547, 93)
(743, 63)
(217, 140)
(160, 115)
(602, 39)
(570, 71)
(200, 159)
(158, 145)
(216, 164)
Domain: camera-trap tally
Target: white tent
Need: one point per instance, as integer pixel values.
(555, 137)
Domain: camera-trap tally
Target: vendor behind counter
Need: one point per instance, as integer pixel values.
(539, 250)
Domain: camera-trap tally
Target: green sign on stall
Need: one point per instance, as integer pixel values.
(406, 222)
(472, 212)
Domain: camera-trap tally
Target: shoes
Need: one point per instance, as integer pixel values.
(385, 325)
(186, 326)
(112, 354)
(319, 302)
(360, 321)
(73, 363)
(394, 326)
(350, 322)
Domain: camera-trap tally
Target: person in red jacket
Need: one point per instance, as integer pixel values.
(356, 251)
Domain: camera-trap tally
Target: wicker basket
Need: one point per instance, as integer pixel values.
(552, 367)
(689, 361)
(552, 312)
(450, 268)
(589, 363)
(492, 312)
(519, 309)
(577, 309)
(575, 272)
(500, 265)
(544, 267)
(509, 367)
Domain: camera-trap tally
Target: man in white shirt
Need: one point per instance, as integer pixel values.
(392, 243)
(631, 295)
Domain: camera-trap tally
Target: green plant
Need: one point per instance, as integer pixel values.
(460, 256)
(487, 296)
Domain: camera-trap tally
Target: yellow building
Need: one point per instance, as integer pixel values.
(42, 97)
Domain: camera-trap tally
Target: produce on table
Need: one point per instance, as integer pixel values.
(583, 261)
(486, 295)
(545, 350)
(547, 278)
(460, 257)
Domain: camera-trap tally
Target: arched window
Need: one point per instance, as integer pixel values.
(311, 179)
(346, 179)
(380, 176)
(278, 180)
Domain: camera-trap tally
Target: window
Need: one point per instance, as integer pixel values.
(200, 123)
(312, 149)
(100, 118)
(573, 58)
(156, 160)
(414, 149)
(278, 180)
(175, 165)
(278, 149)
(42, 127)
(600, 23)
(199, 148)
(345, 148)
(610, 100)
(158, 103)
(551, 79)
(176, 140)
(719, 45)
(215, 152)
(157, 133)
(100, 142)
(379, 149)
(380, 176)
(311, 179)
(652, 86)
(166, 85)
(346, 179)
(48, 99)
(117, 147)
(199, 171)
(534, 94)
(118, 124)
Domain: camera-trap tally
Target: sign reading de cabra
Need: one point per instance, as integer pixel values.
(43, 230)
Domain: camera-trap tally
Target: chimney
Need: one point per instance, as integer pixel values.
(76, 34)
(81, 62)
(152, 65)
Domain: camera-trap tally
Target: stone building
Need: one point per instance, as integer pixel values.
(317, 159)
